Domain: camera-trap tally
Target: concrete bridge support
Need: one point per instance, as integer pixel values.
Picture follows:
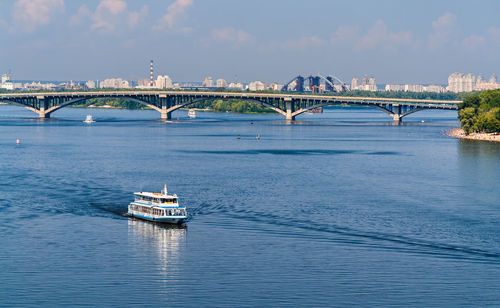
(165, 115)
(289, 109)
(397, 115)
(43, 103)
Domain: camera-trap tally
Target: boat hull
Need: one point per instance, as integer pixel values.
(165, 220)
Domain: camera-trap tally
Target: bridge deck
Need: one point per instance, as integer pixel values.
(225, 95)
(289, 105)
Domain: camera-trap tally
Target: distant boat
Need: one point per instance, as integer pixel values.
(257, 137)
(192, 114)
(88, 119)
(316, 110)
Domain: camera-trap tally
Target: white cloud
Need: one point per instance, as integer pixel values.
(80, 16)
(303, 42)
(494, 34)
(104, 18)
(344, 34)
(473, 42)
(445, 29)
(380, 36)
(134, 18)
(29, 14)
(231, 35)
(174, 11)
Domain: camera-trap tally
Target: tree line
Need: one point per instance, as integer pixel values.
(480, 112)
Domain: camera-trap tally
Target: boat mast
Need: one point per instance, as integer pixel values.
(165, 189)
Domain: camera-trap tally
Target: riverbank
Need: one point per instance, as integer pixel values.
(460, 134)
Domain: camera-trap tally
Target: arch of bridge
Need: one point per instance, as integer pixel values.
(176, 107)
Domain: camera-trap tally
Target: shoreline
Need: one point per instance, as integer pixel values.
(460, 134)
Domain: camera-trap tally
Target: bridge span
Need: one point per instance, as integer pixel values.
(165, 102)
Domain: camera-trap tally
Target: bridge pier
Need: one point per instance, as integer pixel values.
(43, 115)
(289, 110)
(43, 104)
(397, 116)
(165, 116)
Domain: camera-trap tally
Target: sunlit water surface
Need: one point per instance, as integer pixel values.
(338, 209)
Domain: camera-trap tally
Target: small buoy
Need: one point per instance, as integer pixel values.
(251, 122)
(423, 121)
(177, 119)
(18, 142)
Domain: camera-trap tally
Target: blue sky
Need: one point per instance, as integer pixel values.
(394, 41)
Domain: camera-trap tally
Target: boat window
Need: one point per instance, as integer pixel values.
(175, 200)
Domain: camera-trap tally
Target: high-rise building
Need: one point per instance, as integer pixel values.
(90, 84)
(458, 82)
(208, 82)
(256, 86)
(235, 85)
(275, 86)
(394, 87)
(354, 83)
(116, 83)
(163, 82)
(5, 78)
(434, 88)
(364, 82)
(482, 84)
(414, 88)
(493, 79)
(221, 83)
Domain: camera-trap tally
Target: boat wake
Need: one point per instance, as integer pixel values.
(292, 227)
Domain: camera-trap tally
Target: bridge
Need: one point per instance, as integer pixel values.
(165, 102)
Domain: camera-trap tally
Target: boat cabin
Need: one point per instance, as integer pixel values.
(157, 198)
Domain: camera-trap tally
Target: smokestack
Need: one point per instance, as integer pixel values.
(151, 73)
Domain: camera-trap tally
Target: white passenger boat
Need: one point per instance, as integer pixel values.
(88, 119)
(192, 114)
(158, 207)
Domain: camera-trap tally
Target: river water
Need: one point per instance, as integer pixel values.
(339, 209)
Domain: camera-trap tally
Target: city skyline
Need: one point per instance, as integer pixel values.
(189, 40)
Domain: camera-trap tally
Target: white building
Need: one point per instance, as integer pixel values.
(394, 87)
(367, 84)
(5, 78)
(458, 82)
(275, 86)
(235, 85)
(164, 82)
(208, 82)
(368, 87)
(221, 83)
(90, 84)
(434, 88)
(256, 86)
(116, 83)
(7, 86)
(414, 88)
(354, 83)
(482, 84)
